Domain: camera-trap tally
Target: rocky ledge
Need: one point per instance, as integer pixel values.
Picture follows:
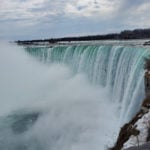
(147, 43)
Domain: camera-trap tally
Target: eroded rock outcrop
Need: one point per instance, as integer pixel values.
(147, 43)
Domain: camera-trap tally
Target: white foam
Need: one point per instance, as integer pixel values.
(75, 115)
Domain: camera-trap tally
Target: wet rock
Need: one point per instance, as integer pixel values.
(147, 43)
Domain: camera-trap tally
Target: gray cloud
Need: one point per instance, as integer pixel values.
(27, 19)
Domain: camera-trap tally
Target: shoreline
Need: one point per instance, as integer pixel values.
(137, 34)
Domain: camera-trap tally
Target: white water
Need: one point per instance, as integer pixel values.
(119, 69)
(49, 107)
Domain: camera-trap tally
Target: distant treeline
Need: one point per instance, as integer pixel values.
(123, 35)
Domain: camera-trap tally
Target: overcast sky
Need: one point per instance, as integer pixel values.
(32, 19)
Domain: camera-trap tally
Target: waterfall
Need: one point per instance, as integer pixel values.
(120, 69)
(73, 97)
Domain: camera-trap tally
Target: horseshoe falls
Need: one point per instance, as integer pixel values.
(68, 97)
(118, 69)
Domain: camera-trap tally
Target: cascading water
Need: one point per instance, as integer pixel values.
(120, 69)
(72, 101)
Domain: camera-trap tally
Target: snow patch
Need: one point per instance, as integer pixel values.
(143, 124)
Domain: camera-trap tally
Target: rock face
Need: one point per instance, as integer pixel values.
(130, 134)
(147, 43)
(143, 126)
(147, 77)
(137, 131)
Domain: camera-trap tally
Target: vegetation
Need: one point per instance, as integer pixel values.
(124, 35)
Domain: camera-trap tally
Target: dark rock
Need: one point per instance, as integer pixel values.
(148, 136)
(126, 131)
(147, 43)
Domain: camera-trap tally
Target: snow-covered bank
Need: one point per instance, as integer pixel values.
(136, 132)
(143, 126)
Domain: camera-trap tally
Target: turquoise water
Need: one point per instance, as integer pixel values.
(120, 69)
